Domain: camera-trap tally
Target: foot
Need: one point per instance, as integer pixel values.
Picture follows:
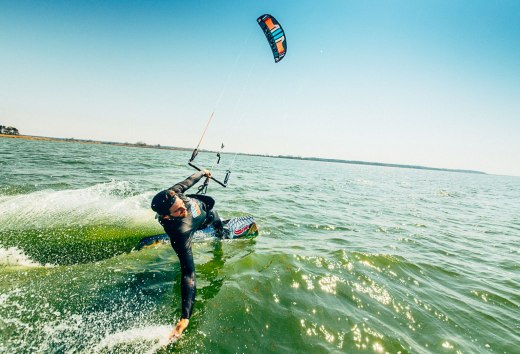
(223, 232)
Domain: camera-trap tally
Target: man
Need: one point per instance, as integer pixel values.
(181, 215)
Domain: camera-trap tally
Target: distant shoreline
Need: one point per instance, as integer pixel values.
(89, 141)
(319, 159)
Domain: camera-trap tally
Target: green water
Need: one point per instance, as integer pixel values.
(349, 258)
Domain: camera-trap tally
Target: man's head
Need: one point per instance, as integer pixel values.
(169, 205)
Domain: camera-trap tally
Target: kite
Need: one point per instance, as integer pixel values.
(275, 36)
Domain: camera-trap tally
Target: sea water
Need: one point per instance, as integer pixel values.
(350, 258)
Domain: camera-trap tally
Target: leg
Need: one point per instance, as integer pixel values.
(214, 219)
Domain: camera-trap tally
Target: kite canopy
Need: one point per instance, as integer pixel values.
(275, 36)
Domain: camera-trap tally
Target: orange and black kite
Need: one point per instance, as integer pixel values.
(275, 35)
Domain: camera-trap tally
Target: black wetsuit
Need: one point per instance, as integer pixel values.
(180, 230)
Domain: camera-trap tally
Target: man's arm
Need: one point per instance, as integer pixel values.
(182, 246)
(183, 186)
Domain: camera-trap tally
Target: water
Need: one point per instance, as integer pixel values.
(349, 259)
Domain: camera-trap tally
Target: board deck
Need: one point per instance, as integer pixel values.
(242, 227)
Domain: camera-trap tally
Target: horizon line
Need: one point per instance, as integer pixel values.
(292, 157)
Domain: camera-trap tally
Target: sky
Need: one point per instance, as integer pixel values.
(431, 83)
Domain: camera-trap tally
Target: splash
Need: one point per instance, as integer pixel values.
(76, 225)
(147, 339)
(13, 256)
(32, 322)
(101, 203)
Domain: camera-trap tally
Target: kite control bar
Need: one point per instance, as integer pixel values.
(203, 188)
(223, 184)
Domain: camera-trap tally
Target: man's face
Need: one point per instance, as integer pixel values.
(177, 210)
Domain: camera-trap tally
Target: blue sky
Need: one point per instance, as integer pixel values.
(433, 83)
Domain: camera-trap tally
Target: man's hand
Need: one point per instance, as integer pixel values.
(179, 328)
(207, 173)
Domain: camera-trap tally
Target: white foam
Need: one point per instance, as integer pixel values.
(105, 202)
(140, 337)
(13, 256)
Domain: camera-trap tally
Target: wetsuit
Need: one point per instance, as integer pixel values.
(180, 230)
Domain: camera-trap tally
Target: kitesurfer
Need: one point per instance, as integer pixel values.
(181, 215)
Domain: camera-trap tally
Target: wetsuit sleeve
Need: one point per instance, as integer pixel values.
(182, 246)
(181, 187)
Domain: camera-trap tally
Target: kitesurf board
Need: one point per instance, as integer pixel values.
(241, 227)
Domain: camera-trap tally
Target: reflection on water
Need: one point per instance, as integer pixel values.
(349, 258)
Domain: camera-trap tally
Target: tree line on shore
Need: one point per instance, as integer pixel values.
(8, 130)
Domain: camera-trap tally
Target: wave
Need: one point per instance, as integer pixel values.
(12, 257)
(77, 225)
(75, 207)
